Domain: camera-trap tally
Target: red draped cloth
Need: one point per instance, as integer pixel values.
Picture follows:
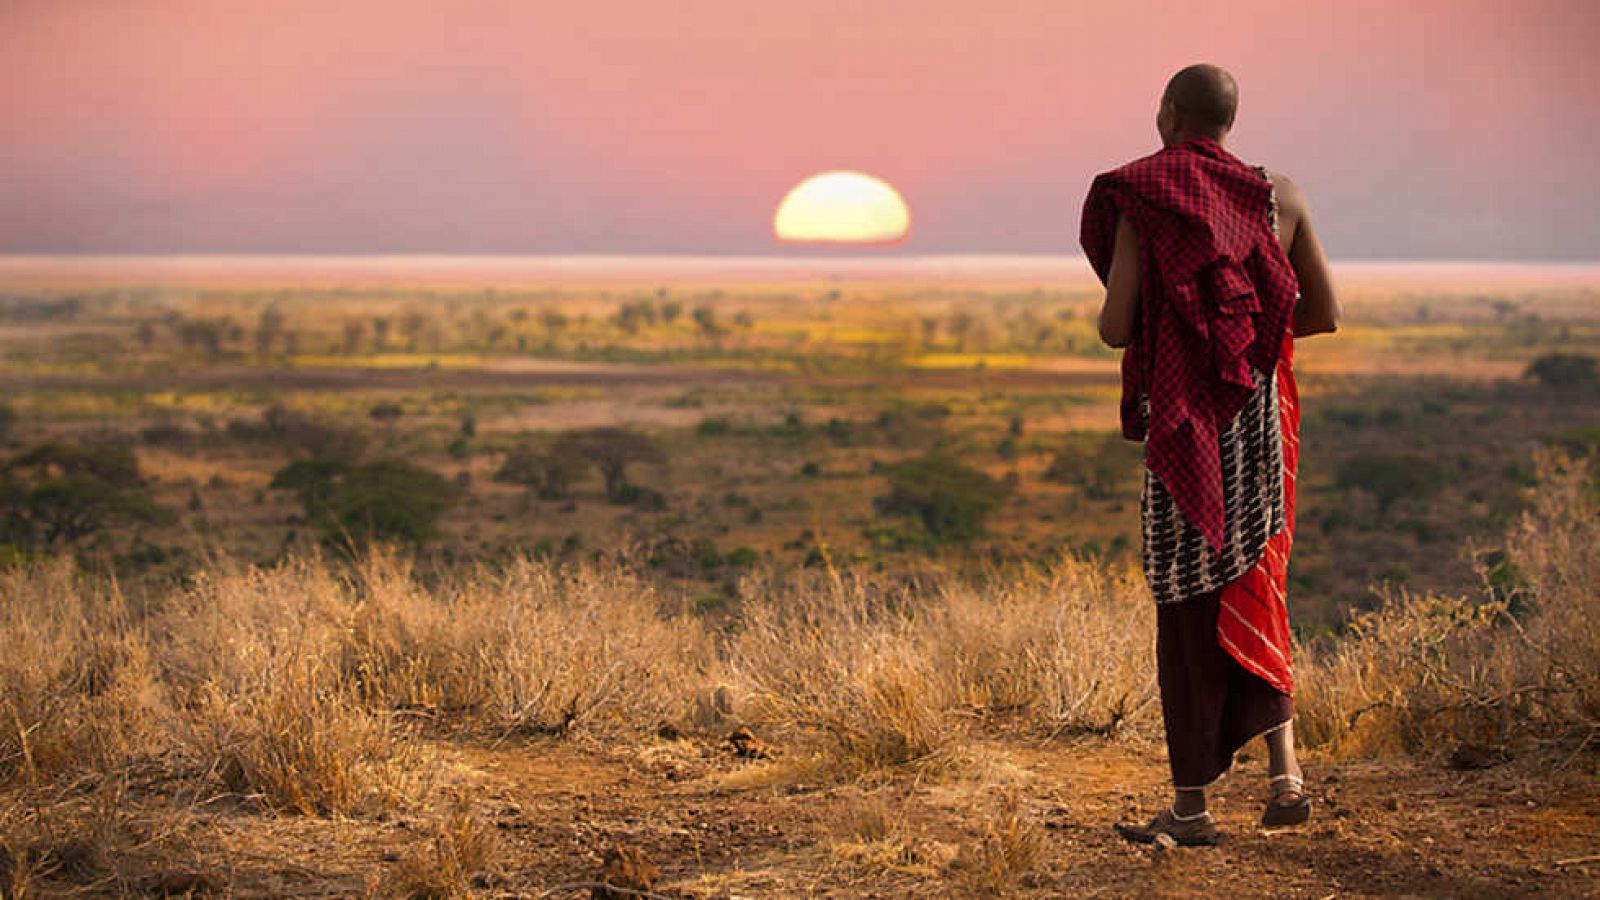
(1253, 623)
(1216, 299)
(1215, 295)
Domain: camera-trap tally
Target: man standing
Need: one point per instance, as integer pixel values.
(1212, 269)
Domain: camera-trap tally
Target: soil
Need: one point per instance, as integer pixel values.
(703, 821)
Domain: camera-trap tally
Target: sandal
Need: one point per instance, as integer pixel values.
(1198, 830)
(1280, 814)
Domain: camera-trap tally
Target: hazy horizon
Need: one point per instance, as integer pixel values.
(1070, 270)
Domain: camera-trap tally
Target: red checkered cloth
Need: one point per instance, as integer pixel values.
(1215, 295)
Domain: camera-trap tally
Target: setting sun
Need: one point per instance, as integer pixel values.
(842, 207)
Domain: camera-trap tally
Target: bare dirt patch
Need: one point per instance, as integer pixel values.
(714, 825)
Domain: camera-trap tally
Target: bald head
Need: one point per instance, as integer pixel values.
(1202, 99)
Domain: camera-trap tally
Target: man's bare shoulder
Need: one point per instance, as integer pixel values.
(1291, 199)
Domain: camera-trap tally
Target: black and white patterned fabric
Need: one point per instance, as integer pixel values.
(1177, 561)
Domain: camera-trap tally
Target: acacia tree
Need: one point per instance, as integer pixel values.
(548, 474)
(611, 450)
(58, 495)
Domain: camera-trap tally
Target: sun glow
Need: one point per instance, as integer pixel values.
(842, 207)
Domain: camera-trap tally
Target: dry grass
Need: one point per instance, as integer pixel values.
(78, 677)
(877, 675)
(1010, 845)
(1520, 662)
(875, 834)
(461, 849)
(303, 687)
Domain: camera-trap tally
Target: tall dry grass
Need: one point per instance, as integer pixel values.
(304, 686)
(1520, 662)
(874, 674)
(79, 689)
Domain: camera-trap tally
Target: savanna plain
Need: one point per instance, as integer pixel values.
(388, 584)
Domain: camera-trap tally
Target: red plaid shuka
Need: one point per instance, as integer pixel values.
(1215, 295)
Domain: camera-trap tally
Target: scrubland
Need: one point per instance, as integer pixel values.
(150, 732)
(756, 591)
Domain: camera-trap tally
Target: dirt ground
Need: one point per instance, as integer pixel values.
(719, 826)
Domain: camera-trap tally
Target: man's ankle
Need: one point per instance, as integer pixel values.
(1188, 803)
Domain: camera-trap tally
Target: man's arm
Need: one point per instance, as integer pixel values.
(1118, 316)
(1318, 311)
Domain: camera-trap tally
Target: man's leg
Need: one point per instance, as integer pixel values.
(1211, 705)
(1193, 686)
(1189, 802)
(1282, 761)
(1280, 751)
(1193, 673)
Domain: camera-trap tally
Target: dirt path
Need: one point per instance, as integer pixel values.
(721, 827)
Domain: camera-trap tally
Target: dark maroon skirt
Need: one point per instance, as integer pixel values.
(1211, 705)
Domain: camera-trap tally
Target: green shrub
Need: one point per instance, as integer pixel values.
(1388, 477)
(713, 426)
(550, 475)
(950, 498)
(1098, 464)
(353, 505)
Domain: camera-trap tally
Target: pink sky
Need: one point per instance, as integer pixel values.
(1419, 128)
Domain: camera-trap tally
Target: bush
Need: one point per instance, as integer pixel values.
(1564, 371)
(352, 505)
(842, 432)
(300, 434)
(388, 412)
(648, 499)
(1099, 465)
(1389, 477)
(950, 498)
(713, 426)
(1422, 673)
